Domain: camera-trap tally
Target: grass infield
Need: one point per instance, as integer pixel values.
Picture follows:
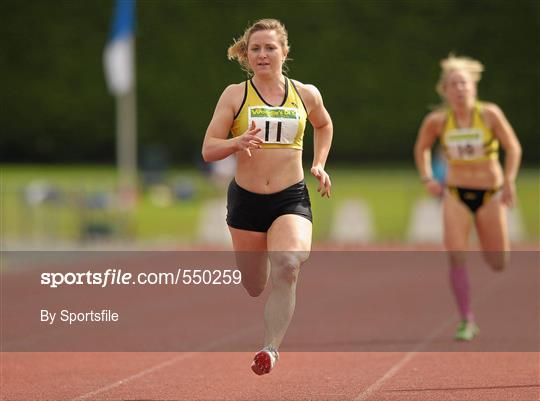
(389, 193)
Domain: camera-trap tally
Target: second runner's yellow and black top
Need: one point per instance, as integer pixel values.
(471, 144)
(281, 126)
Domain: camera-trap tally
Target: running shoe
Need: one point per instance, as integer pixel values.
(466, 331)
(264, 361)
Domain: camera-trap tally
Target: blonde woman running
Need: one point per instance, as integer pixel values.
(268, 205)
(478, 189)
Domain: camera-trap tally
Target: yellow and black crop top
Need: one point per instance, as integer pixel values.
(472, 144)
(281, 126)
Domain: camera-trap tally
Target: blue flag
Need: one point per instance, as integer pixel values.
(118, 56)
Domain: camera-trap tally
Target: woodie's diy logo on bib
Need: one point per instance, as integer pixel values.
(278, 124)
(465, 144)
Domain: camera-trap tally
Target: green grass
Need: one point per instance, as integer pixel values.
(388, 192)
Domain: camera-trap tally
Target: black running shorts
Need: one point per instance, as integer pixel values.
(256, 212)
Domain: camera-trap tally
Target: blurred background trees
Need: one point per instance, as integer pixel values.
(375, 62)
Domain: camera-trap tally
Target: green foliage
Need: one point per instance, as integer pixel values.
(375, 62)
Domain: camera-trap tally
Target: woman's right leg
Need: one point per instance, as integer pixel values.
(252, 259)
(457, 226)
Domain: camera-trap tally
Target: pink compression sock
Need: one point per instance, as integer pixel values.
(460, 286)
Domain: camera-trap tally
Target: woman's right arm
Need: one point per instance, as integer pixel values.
(216, 146)
(427, 135)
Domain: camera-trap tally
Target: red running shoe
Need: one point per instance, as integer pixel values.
(264, 361)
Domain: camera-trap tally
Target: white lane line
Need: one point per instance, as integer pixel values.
(135, 376)
(368, 392)
(164, 364)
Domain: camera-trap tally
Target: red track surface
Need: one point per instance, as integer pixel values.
(299, 376)
(411, 374)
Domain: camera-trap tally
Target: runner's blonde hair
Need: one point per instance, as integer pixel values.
(238, 50)
(453, 63)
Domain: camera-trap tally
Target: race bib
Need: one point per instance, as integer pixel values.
(465, 144)
(278, 125)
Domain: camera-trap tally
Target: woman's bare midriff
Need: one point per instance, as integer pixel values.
(269, 170)
(478, 175)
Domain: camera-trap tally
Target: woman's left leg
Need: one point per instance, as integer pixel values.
(289, 244)
(492, 231)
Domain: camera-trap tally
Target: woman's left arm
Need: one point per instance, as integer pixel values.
(512, 149)
(322, 136)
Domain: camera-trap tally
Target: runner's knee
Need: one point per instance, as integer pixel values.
(285, 268)
(255, 284)
(254, 290)
(498, 261)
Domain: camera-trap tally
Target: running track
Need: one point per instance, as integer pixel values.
(413, 372)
